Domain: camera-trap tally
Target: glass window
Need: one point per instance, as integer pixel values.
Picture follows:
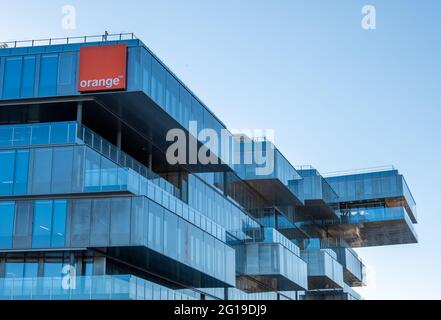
(27, 82)
(59, 223)
(197, 113)
(12, 78)
(158, 83)
(87, 268)
(172, 97)
(100, 222)
(146, 61)
(134, 69)
(21, 172)
(184, 106)
(67, 73)
(23, 225)
(170, 237)
(42, 165)
(62, 164)
(41, 236)
(120, 221)
(197, 248)
(156, 218)
(80, 235)
(7, 224)
(78, 169)
(52, 269)
(31, 269)
(7, 165)
(180, 233)
(139, 221)
(6, 136)
(48, 75)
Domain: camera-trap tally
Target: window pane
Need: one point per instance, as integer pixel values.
(6, 136)
(12, 78)
(172, 96)
(27, 82)
(21, 172)
(41, 237)
(67, 73)
(62, 170)
(170, 237)
(155, 226)
(52, 269)
(59, 223)
(80, 235)
(120, 221)
(146, 61)
(134, 69)
(48, 75)
(7, 224)
(158, 83)
(87, 268)
(42, 164)
(23, 225)
(7, 164)
(99, 235)
(31, 270)
(184, 106)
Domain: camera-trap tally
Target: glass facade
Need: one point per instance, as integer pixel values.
(114, 217)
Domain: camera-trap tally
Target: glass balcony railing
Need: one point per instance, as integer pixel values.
(268, 235)
(314, 186)
(344, 253)
(22, 135)
(371, 214)
(115, 154)
(376, 214)
(62, 133)
(323, 263)
(120, 287)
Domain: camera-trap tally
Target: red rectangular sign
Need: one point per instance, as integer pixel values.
(103, 68)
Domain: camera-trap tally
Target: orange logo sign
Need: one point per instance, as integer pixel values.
(103, 68)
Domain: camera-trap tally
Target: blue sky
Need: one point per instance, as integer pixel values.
(338, 96)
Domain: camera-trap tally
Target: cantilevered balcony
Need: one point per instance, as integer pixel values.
(367, 186)
(368, 226)
(271, 178)
(154, 102)
(270, 259)
(321, 201)
(132, 229)
(324, 271)
(353, 268)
